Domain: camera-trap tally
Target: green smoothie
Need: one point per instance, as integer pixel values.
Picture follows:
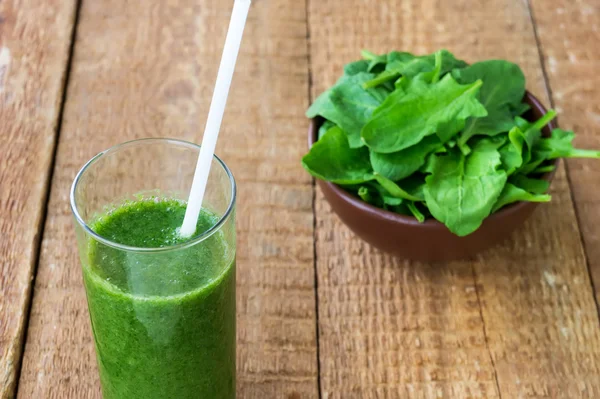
(163, 322)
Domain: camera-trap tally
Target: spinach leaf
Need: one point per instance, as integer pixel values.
(502, 90)
(370, 196)
(348, 105)
(535, 186)
(414, 185)
(449, 62)
(489, 143)
(537, 158)
(427, 167)
(447, 130)
(399, 203)
(416, 212)
(363, 193)
(395, 62)
(432, 76)
(511, 153)
(544, 169)
(384, 194)
(409, 65)
(532, 133)
(325, 128)
(560, 145)
(511, 194)
(354, 68)
(332, 159)
(533, 130)
(394, 189)
(398, 165)
(520, 109)
(462, 190)
(401, 210)
(408, 115)
(392, 201)
(374, 61)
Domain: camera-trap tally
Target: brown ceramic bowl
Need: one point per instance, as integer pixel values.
(429, 241)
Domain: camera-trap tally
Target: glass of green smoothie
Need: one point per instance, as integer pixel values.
(162, 307)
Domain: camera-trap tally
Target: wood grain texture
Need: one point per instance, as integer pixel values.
(148, 70)
(518, 321)
(34, 49)
(568, 34)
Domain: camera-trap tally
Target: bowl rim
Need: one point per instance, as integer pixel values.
(431, 223)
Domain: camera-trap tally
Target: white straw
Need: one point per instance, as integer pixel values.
(215, 115)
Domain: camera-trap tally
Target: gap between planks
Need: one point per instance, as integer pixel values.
(314, 202)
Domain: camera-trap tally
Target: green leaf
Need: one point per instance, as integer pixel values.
(409, 65)
(520, 109)
(374, 184)
(435, 74)
(367, 195)
(532, 133)
(363, 193)
(511, 153)
(375, 62)
(462, 190)
(511, 194)
(544, 169)
(489, 143)
(502, 91)
(354, 68)
(416, 212)
(392, 201)
(535, 186)
(385, 199)
(447, 130)
(401, 210)
(366, 192)
(560, 145)
(533, 130)
(381, 79)
(408, 115)
(348, 105)
(536, 160)
(427, 167)
(396, 63)
(415, 186)
(398, 165)
(325, 128)
(394, 189)
(332, 159)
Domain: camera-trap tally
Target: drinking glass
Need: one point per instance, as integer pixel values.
(163, 318)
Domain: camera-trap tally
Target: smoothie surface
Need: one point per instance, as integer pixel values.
(149, 223)
(154, 223)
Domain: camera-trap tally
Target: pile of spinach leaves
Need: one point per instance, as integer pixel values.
(431, 136)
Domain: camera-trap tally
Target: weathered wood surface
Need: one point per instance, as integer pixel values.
(520, 320)
(517, 321)
(148, 70)
(568, 34)
(35, 38)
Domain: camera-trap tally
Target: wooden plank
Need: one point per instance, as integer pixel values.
(517, 321)
(35, 38)
(568, 34)
(149, 71)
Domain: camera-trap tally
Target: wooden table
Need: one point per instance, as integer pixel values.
(320, 313)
